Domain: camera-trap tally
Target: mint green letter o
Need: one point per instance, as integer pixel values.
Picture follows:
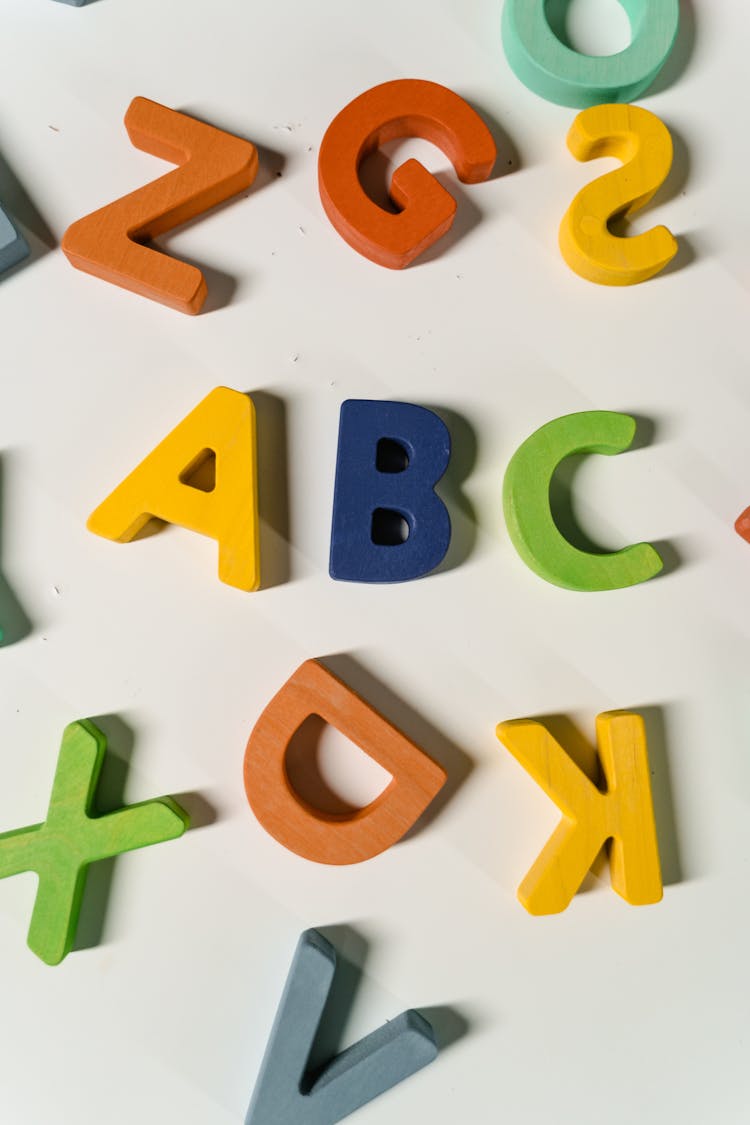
(558, 73)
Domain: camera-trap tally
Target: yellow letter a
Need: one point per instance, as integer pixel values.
(222, 425)
(624, 813)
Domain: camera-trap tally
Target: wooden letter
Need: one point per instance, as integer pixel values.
(314, 835)
(288, 1092)
(214, 166)
(642, 142)
(623, 814)
(365, 490)
(529, 518)
(223, 424)
(560, 74)
(404, 108)
(742, 525)
(61, 849)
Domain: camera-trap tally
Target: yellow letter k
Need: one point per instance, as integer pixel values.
(623, 813)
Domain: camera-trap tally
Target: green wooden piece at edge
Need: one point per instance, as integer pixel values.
(529, 518)
(61, 849)
(567, 77)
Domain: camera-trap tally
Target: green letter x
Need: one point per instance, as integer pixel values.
(61, 849)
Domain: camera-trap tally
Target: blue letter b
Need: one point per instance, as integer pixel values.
(388, 524)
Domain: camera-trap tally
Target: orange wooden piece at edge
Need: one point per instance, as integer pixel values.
(407, 107)
(742, 525)
(308, 832)
(214, 165)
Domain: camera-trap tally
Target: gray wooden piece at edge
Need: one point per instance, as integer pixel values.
(13, 246)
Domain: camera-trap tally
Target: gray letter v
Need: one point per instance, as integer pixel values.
(286, 1094)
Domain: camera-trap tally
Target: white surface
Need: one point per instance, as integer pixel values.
(606, 1013)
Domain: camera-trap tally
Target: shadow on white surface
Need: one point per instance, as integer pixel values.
(273, 488)
(17, 200)
(682, 52)
(667, 827)
(20, 206)
(450, 488)
(14, 622)
(450, 1023)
